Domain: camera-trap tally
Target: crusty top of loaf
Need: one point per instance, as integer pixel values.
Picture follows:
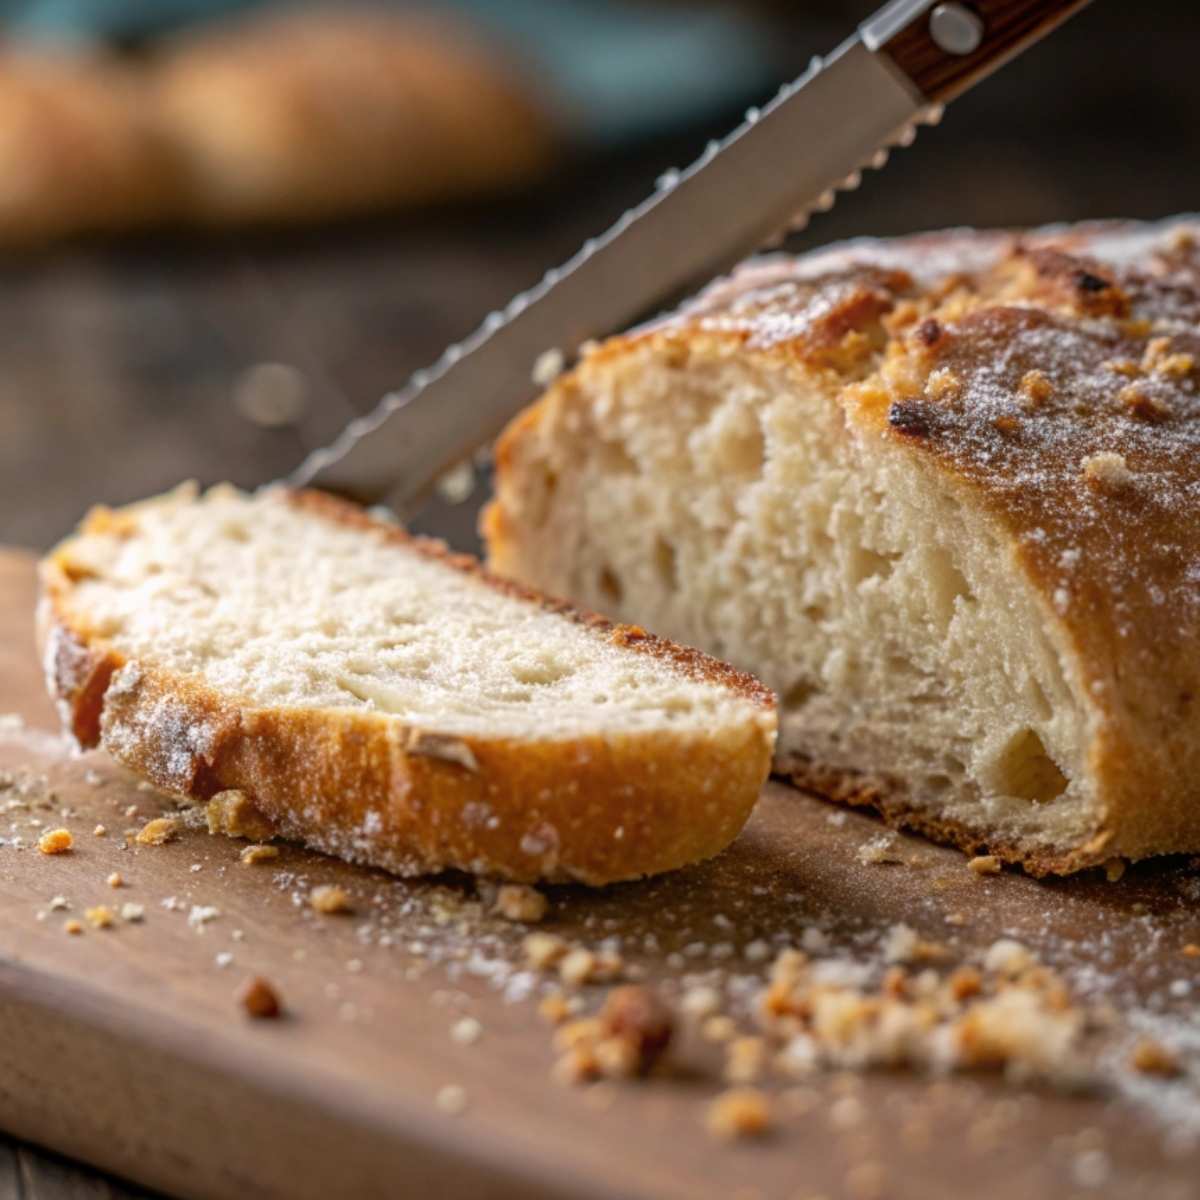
(1051, 377)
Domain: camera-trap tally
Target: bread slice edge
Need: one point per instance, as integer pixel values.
(369, 788)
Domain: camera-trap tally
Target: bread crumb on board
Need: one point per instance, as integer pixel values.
(543, 950)
(466, 1031)
(233, 813)
(330, 899)
(252, 855)
(519, 902)
(626, 1039)
(1151, 1057)
(259, 999)
(100, 916)
(56, 841)
(73, 925)
(741, 1112)
(984, 864)
(158, 831)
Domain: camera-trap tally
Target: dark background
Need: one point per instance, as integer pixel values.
(120, 364)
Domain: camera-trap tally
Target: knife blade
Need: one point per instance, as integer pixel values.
(842, 115)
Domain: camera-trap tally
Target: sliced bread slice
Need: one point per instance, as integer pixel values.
(383, 700)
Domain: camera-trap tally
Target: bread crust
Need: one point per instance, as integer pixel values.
(1051, 381)
(370, 789)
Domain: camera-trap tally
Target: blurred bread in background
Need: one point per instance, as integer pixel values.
(79, 152)
(330, 112)
(271, 119)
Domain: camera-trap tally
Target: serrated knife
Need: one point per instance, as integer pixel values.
(780, 164)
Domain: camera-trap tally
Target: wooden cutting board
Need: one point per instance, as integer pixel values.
(125, 1047)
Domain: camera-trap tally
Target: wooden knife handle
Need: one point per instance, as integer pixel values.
(1007, 27)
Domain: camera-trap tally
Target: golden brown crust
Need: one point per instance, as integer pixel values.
(1052, 381)
(890, 798)
(367, 788)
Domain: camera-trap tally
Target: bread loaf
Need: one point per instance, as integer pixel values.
(940, 494)
(378, 698)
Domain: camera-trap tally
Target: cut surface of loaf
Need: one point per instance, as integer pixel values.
(383, 700)
(940, 494)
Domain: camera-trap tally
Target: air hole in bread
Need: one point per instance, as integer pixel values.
(799, 694)
(866, 563)
(610, 585)
(665, 564)
(947, 583)
(1040, 701)
(938, 784)
(1024, 769)
(617, 459)
(742, 452)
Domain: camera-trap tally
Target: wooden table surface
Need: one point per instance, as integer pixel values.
(120, 366)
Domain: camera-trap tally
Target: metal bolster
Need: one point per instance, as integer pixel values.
(880, 28)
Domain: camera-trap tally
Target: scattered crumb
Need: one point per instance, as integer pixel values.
(258, 853)
(157, 831)
(330, 899)
(582, 966)
(100, 916)
(58, 903)
(100, 831)
(1153, 1058)
(259, 998)
(466, 1031)
(115, 880)
(1106, 470)
(1114, 869)
(519, 902)
(1008, 958)
(548, 367)
(132, 912)
(73, 925)
(879, 850)
(543, 950)
(985, 864)
(742, 1112)
(718, 1028)
(451, 1100)
(233, 813)
(200, 915)
(556, 1008)
(745, 1059)
(700, 1001)
(637, 1018)
(55, 841)
(223, 958)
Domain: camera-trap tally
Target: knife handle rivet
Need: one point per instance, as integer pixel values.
(955, 28)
